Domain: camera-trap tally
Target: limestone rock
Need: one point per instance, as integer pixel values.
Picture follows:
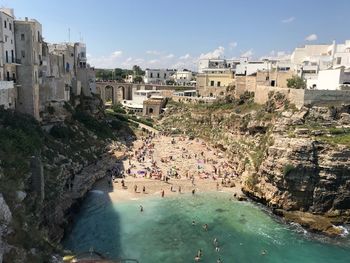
(5, 213)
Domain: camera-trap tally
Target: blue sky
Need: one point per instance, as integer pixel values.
(164, 33)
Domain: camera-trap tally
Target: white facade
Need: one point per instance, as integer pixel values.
(183, 77)
(247, 68)
(7, 45)
(158, 76)
(332, 79)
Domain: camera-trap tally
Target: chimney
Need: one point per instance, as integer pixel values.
(26, 19)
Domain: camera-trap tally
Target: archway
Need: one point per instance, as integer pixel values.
(122, 89)
(109, 95)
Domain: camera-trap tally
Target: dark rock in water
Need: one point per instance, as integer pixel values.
(243, 220)
(220, 210)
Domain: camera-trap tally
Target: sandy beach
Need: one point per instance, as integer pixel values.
(175, 165)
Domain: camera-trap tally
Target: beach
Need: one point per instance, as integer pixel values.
(175, 165)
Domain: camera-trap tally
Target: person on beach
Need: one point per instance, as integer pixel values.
(135, 188)
(163, 193)
(217, 186)
(144, 189)
(193, 191)
(180, 189)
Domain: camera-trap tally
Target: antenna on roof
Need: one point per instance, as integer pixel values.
(68, 35)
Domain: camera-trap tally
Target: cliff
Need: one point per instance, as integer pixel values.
(295, 161)
(45, 170)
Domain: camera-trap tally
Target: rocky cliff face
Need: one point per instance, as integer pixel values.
(294, 160)
(45, 171)
(306, 168)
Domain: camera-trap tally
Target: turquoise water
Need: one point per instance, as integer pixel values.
(164, 232)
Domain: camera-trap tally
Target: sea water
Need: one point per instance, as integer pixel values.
(164, 232)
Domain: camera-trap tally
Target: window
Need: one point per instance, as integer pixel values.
(151, 75)
(165, 75)
(14, 77)
(23, 54)
(10, 26)
(219, 83)
(212, 83)
(157, 75)
(12, 56)
(8, 76)
(7, 56)
(6, 37)
(22, 36)
(338, 60)
(5, 24)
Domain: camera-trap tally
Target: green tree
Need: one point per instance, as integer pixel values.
(296, 82)
(137, 71)
(138, 79)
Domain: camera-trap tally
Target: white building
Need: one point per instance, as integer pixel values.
(8, 59)
(183, 77)
(330, 79)
(158, 76)
(310, 59)
(248, 67)
(139, 96)
(216, 65)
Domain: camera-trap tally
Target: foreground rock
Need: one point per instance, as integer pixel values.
(315, 223)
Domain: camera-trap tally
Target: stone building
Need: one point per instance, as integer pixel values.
(8, 95)
(153, 106)
(28, 46)
(214, 83)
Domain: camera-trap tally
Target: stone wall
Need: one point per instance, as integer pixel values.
(300, 97)
(326, 97)
(295, 96)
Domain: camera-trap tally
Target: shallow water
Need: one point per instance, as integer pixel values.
(164, 232)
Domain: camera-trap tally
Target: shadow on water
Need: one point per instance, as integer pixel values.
(96, 223)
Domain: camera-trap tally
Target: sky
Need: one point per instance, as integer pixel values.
(175, 34)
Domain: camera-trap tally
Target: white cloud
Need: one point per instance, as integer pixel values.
(288, 20)
(153, 52)
(170, 56)
(216, 53)
(187, 56)
(110, 61)
(153, 61)
(248, 54)
(277, 55)
(311, 37)
(233, 45)
(117, 53)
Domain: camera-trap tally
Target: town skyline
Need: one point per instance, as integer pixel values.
(179, 43)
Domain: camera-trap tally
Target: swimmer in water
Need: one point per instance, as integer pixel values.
(219, 261)
(263, 252)
(215, 242)
(199, 253)
(141, 208)
(205, 226)
(193, 223)
(197, 259)
(217, 249)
